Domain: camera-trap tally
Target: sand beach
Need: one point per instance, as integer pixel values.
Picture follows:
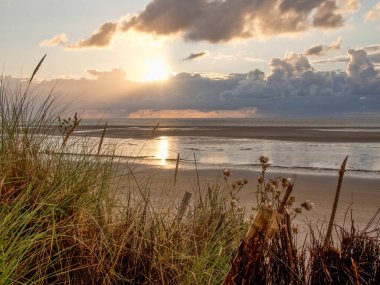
(359, 196)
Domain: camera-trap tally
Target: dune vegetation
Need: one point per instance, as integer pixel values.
(63, 219)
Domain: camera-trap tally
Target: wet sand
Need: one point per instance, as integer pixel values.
(307, 134)
(361, 195)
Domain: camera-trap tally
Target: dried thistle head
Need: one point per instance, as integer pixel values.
(234, 203)
(226, 173)
(298, 210)
(270, 187)
(286, 181)
(263, 159)
(291, 201)
(307, 205)
(277, 194)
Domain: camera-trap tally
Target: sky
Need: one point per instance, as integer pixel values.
(198, 58)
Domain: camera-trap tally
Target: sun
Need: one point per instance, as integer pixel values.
(157, 70)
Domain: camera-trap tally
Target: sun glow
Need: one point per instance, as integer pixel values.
(162, 150)
(157, 70)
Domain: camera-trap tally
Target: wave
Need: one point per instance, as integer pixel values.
(311, 168)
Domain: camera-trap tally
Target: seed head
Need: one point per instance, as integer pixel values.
(263, 159)
(234, 203)
(291, 201)
(308, 205)
(298, 210)
(271, 187)
(226, 173)
(286, 181)
(277, 193)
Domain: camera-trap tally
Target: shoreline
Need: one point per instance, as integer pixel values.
(291, 134)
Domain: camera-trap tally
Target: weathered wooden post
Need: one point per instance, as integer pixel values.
(184, 205)
(260, 233)
(335, 206)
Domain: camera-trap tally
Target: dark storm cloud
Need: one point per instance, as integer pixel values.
(195, 56)
(292, 87)
(222, 21)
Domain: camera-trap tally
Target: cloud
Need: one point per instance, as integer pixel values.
(336, 45)
(374, 13)
(55, 41)
(189, 113)
(222, 21)
(372, 51)
(327, 16)
(319, 50)
(201, 20)
(101, 38)
(116, 74)
(315, 50)
(372, 48)
(195, 56)
(291, 88)
(349, 6)
(294, 87)
(290, 65)
(374, 58)
(335, 59)
(361, 71)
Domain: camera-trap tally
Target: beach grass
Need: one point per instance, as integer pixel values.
(88, 219)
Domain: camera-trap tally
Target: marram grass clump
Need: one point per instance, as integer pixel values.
(86, 219)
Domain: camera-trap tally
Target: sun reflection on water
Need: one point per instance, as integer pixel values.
(162, 150)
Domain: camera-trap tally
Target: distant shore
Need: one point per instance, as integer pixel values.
(306, 134)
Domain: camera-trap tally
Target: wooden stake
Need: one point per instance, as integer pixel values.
(183, 207)
(337, 193)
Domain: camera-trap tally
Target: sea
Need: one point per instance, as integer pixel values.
(207, 152)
